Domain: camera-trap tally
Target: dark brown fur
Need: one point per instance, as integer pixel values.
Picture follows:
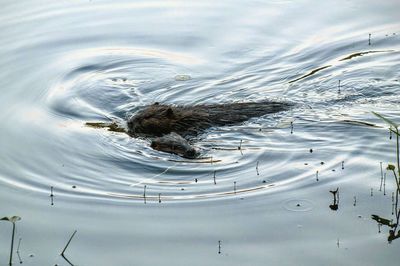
(174, 143)
(189, 121)
(170, 127)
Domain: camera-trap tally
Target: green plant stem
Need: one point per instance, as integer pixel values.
(397, 181)
(12, 243)
(397, 147)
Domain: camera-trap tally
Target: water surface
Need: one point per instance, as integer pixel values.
(65, 63)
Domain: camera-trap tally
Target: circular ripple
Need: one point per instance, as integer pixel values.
(298, 205)
(112, 84)
(104, 84)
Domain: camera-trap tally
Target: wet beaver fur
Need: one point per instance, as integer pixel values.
(172, 126)
(174, 143)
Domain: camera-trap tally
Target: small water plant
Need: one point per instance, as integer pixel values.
(12, 220)
(394, 128)
(393, 225)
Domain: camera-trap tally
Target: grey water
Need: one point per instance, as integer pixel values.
(64, 63)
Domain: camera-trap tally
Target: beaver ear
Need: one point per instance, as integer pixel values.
(170, 113)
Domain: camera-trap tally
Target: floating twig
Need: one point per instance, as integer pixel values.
(144, 194)
(66, 246)
(51, 196)
(19, 244)
(380, 187)
(384, 184)
(19, 257)
(393, 204)
(198, 160)
(257, 168)
(69, 241)
(240, 145)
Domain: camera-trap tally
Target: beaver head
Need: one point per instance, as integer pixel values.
(174, 143)
(155, 120)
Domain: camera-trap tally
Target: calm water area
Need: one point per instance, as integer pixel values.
(67, 62)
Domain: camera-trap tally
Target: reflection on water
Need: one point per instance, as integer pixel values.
(363, 53)
(65, 248)
(393, 224)
(314, 71)
(335, 205)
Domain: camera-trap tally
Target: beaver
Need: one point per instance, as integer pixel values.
(172, 127)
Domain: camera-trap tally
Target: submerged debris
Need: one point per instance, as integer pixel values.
(113, 126)
(182, 77)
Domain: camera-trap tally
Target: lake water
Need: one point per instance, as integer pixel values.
(64, 63)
